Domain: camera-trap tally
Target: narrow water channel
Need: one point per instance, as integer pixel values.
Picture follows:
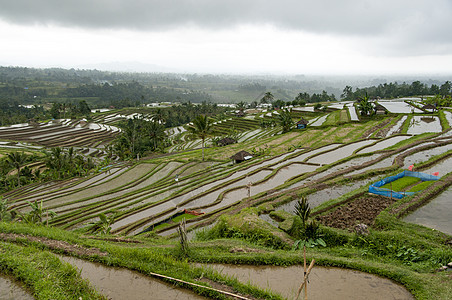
(11, 290)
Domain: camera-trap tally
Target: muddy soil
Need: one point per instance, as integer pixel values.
(363, 209)
(53, 244)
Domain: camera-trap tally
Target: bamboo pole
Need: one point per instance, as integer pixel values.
(305, 278)
(304, 273)
(198, 285)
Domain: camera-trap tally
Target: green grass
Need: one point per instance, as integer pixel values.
(402, 183)
(421, 186)
(43, 273)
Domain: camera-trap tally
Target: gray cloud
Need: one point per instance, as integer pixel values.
(419, 26)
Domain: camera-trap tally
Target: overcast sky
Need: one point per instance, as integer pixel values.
(232, 36)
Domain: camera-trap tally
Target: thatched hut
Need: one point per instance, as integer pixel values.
(429, 108)
(379, 109)
(302, 123)
(241, 156)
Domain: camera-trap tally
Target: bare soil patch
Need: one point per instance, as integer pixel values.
(363, 209)
(54, 244)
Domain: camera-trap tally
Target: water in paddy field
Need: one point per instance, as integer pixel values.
(435, 214)
(399, 107)
(384, 144)
(324, 283)
(116, 283)
(423, 124)
(10, 290)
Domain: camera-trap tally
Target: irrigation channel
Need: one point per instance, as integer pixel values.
(324, 283)
(148, 195)
(11, 290)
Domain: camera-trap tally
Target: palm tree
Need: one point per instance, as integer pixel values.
(365, 107)
(285, 120)
(241, 106)
(201, 128)
(16, 160)
(158, 116)
(268, 97)
(156, 133)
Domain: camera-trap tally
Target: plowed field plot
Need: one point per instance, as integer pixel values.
(363, 209)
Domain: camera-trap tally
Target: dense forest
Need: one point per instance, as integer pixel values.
(68, 93)
(396, 90)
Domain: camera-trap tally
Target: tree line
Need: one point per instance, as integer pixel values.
(396, 90)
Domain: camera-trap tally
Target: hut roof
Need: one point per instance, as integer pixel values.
(303, 122)
(379, 107)
(429, 106)
(241, 155)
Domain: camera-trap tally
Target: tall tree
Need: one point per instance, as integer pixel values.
(268, 98)
(201, 128)
(16, 160)
(285, 120)
(365, 107)
(347, 93)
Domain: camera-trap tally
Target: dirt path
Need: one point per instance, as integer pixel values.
(54, 244)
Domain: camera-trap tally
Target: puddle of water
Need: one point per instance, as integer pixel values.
(435, 214)
(302, 157)
(443, 167)
(319, 121)
(304, 108)
(448, 115)
(339, 153)
(397, 126)
(10, 290)
(122, 284)
(422, 124)
(399, 107)
(268, 219)
(384, 144)
(319, 197)
(425, 155)
(324, 283)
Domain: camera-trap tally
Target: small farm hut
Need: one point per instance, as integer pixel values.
(241, 156)
(429, 108)
(379, 109)
(302, 123)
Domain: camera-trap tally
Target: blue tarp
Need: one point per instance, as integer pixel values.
(376, 187)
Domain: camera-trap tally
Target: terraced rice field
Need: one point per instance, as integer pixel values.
(61, 133)
(144, 195)
(147, 195)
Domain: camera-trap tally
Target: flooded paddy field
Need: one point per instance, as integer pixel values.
(324, 283)
(397, 106)
(117, 283)
(435, 214)
(423, 124)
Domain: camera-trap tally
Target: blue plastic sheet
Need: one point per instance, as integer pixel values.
(376, 187)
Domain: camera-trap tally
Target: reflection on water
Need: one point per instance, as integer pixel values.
(435, 214)
(122, 284)
(10, 290)
(422, 124)
(324, 283)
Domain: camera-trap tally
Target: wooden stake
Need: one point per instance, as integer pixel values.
(304, 273)
(305, 278)
(198, 285)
